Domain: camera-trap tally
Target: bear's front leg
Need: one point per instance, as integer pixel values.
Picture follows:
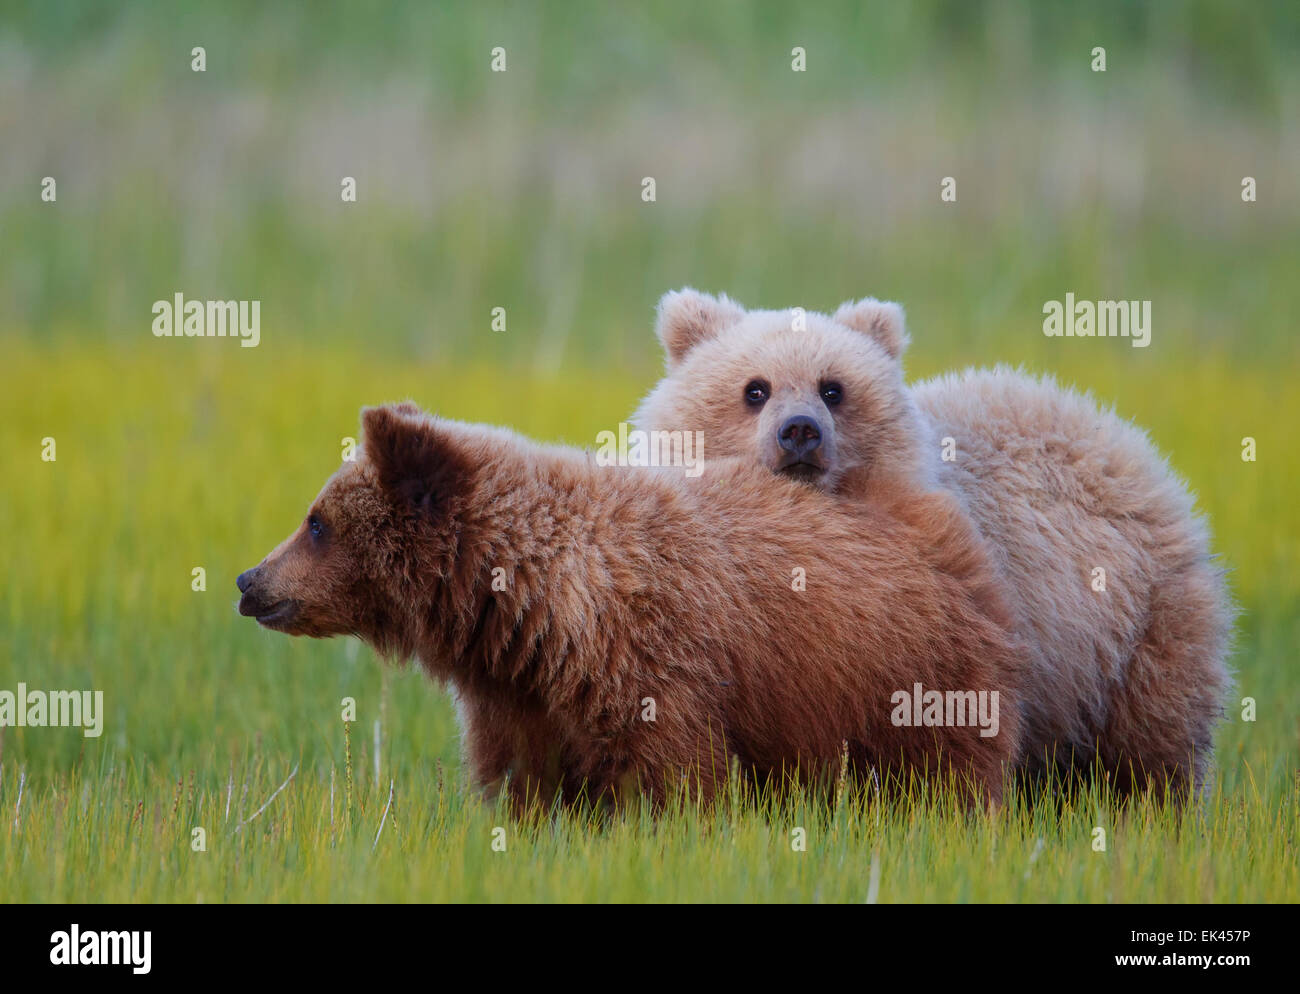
(513, 749)
(672, 761)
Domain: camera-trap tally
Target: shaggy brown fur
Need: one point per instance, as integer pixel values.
(1131, 678)
(622, 585)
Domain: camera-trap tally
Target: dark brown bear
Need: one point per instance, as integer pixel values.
(629, 593)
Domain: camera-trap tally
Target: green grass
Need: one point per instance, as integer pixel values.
(96, 840)
(210, 457)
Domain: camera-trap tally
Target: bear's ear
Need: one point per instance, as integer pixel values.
(688, 317)
(879, 320)
(404, 447)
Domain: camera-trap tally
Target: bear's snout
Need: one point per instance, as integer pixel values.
(270, 612)
(800, 435)
(253, 603)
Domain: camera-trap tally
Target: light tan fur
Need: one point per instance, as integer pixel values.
(1132, 677)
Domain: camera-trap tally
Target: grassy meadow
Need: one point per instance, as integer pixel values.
(523, 190)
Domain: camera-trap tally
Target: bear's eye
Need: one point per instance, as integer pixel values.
(757, 392)
(315, 526)
(832, 393)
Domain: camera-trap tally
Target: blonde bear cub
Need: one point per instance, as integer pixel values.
(1095, 539)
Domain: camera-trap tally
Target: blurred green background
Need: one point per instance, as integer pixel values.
(522, 190)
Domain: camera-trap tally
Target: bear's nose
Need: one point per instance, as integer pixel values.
(800, 435)
(246, 578)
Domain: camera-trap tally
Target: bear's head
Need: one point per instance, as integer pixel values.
(817, 398)
(381, 525)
